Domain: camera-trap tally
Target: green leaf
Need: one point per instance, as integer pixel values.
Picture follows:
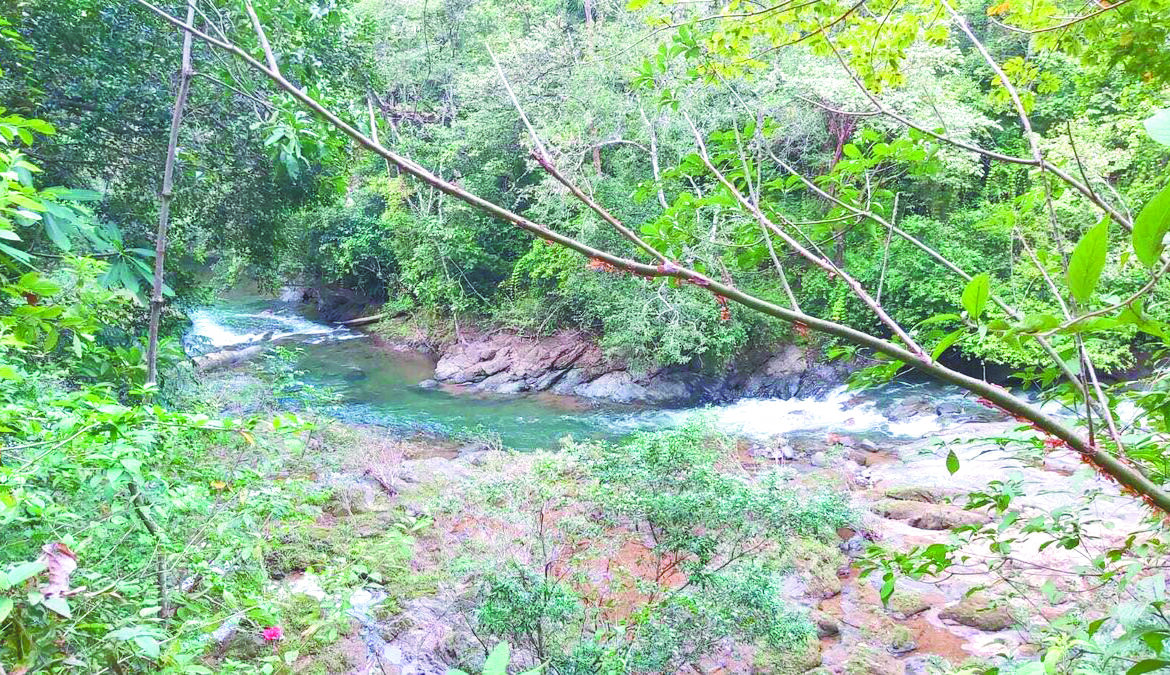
(24, 571)
(148, 645)
(1147, 666)
(5, 608)
(851, 151)
(1150, 227)
(497, 661)
(887, 589)
(975, 295)
(1088, 259)
(1158, 126)
(634, 5)
(945, 343)
(952, 462)
(59, 605)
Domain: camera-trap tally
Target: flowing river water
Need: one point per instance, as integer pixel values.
(380, 386)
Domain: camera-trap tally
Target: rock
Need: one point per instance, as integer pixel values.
(827, 625)
(948, 409)
(355, 375)
(898, 639)
(819, 459)
(926, 516)
(924, 493)
(904, 604)
(352, 495)
(798, 659)
(980, 611)
(868, 446)
(617, 386)
(428, 384)
(919, 665)
(855, 545)
(413, 473)
(865, 660)
(910, 407)
(293, 294)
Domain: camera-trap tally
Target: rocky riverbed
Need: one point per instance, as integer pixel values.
(905, 493)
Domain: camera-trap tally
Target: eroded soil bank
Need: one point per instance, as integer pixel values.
(421, 524)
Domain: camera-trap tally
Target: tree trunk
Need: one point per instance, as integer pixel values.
(164, 207)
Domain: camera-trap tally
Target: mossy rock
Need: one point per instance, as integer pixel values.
(817, 564)
(904, 604)
(799, 658)
(926, 516)
(981, 611)
(899, 639)
(827, 625)
(868, 660)
(923, 493)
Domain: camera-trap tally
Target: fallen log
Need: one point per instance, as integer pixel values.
(362, 321)
(234, 355)
(226, 358)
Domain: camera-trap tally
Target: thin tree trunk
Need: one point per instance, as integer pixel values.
(164, 207)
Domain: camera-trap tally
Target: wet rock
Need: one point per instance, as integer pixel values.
(926, 516)
(948, 409)
(911, 407)
(980, 611)
(355, 375)
(868, 446)
(428, 384)
(617, 386)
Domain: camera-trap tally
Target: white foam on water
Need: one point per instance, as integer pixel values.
(212, 326)
(204, 324)
(920, 426)
(761, 418)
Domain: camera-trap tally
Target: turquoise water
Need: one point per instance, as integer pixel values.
(380, 386)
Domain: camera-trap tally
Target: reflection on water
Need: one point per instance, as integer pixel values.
(380, 387)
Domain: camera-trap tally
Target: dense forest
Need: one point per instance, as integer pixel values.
(969, 193)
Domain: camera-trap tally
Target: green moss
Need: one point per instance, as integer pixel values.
(817, 563)
(800, 658)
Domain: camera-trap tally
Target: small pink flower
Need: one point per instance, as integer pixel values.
(272, 633)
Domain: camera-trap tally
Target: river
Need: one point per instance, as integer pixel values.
(380, 386)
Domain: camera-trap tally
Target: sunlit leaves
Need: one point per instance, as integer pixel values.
(1158, 126)
(976, 295)
(1150, 227)
(1087, 261)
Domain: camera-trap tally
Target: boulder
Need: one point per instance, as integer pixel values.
(353, 495)
(904, 604)
(827, 625)
(926, 516)
(866, 660)
(924, 493)
(981, 611)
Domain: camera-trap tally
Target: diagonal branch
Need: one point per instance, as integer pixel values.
(819, 260)
(542, 157)
(1118, 469)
